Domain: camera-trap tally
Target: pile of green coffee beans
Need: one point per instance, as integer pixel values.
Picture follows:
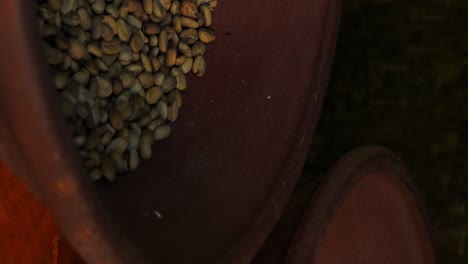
(120, 66)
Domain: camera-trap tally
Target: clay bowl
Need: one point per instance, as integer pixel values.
(366, 210)
(215, 189)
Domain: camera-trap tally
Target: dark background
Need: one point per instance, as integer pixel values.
(399, 80)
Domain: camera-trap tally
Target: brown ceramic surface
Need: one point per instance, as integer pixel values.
(365, 211)
(378, 222)
(221, 181)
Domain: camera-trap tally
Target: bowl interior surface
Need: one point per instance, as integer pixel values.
(237, 148)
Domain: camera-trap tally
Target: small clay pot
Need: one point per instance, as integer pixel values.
(366, 210)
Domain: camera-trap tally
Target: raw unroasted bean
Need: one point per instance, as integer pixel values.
(153, 95)
(162, 108)
(198, 48)
(110, 128)
(117, 86)
(98, 6)
(123, 31)
(104, 87)
(72, 19)
(136, 88)
(175, 8)
(156, 123)
(180, 77)
(166, 4)
(171, 57)
(148, 6)
(108, 168)
(136, 42)
(55, 4)
(206, 11)
(122, 98)
(180, 60)
(110, 59)
(146, 141)
(125, 55)
(106, 138)
(128, 79)
(162, 132)
(153, 41)
(67, 6)
(135, 68)
(146, 79)
(61, 80)
(151, 28)
(81, 77)
(189, 9)
(173, 113)
(145, 61)
(53, 55)
(123, 133)
(112, 11)
(163, 41)
(132, 6)
(134, 139)
(206, 35)
(154, 113)
(119, 162)
(116, 120)
(124, 109)
(95, 50)
(104, 117)
(133, 160)
(136, 57)
(159, 79)
(82, 110)
(111, 47)
(47, 31)
(77, 49)
(62, 42)
(133, 21)
(96, 29)
(155, 64)
(79, 140)
(115, 69)
(158, 11)
(138, 10)
(175, 98)
(101, 65)
(188, 22)
(107, 33)
(110, 21)
(199, 66)
(154, 52)
(189, 36)
(185, 49)
(166, 21)
(187, 66)
(123, 12)
(74, 66)
(168, 84)
(92, 68)
(118, 145)
(177, 23)
(144, 120)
